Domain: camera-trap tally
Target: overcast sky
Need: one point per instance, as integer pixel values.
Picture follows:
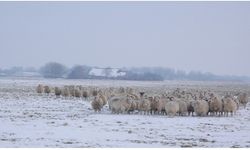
(206, 36)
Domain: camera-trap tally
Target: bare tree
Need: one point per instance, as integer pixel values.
(53, 70)
(79, 72)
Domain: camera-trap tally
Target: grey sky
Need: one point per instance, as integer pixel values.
(206, 36)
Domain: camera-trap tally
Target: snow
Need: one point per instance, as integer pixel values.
(28, 74)
(32, 120)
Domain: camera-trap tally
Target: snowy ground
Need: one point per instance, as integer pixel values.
(32, 120)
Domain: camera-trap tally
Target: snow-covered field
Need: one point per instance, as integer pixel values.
(31, 120)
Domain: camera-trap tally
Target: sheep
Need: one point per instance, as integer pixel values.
(125, 105)
(133, 106)
(79, 87)
(39, 88)
(182, 107)
(77, 93)
(190, 107)
(229, 106)
(47, 89)
(121, 90)
(237, 101)
(134, 96)
(119, 104)
(94, 93)
(243, 99)
(85, 94)
(124, 100)
(131, 96)
(153, 105)
(97, 104)
(129, 90)
(215, 105)
(144, 106)
(171, 108)
(65, 92)
(72, 90)
(201, 108)
(142, 94)
(58, 91)
(161, 103)
(103, 98)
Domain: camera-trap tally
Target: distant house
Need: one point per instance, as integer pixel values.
(96, 72)
(115, 72)
(107, 72)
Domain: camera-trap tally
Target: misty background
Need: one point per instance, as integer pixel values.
(182, 37)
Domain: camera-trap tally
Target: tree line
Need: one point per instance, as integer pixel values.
(58, 70)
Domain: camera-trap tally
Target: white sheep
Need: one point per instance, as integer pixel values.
(144, 106)
(153, 105)
(182, 107)
(229, 106)
(161, 103)
(72, 90)
(119, 104)
(77, 93)
(201, 108)
(103, 98)
(65, 92)
(215, 105)
(171, 108)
